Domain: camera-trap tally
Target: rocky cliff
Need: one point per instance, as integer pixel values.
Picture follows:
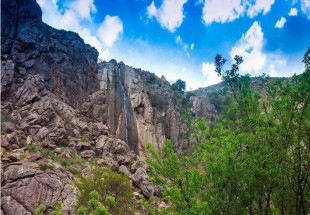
(67, 65)
(61, 112)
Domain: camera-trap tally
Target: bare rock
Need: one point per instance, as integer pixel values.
(123, 169)
(112, 145)
(8, 127)
(36, 156)
(25, 186)
(11, 206)
(140, 179)
(88, 154)
(136, 165)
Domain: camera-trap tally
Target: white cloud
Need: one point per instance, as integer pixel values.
(305, 7)
(151, 10)
(208, 70)
(280, 23)
(169, 14)
(258, 7)
(276, 65)
(192, 46)
(110, 29)
(250, 47)
(293, 12)
(222, 11)
(84, 8)
(76, 17)
(184, 45)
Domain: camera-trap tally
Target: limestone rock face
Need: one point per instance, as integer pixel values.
(25, 186)
(202, 108)
(67, 65)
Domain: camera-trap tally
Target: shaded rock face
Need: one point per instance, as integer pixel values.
(67, 65)
(25, 186)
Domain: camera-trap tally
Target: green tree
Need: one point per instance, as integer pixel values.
(114, 190)
(179, 86)
(255, 160)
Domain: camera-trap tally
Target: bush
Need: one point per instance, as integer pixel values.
(151, 78)
(115, 192)
(179, 86)
(157, 101)
(94, 206)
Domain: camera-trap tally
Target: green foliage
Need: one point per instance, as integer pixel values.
(114, 191)
(95, 207)
(148, 205)
(158, 101)
(58, 208)
(39, 210)
(151, 78)
(179, 86)
(255, 160)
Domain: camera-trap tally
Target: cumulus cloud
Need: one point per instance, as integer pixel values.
(293, 12)
(305, 7)
(208, 70)
(169, 14)
(250, 47)
(280, 23)
(84, 8)
(110, 29)
(75, 17)
(222, 11)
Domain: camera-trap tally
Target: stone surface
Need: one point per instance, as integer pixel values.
(123, 169)
(88, 154)
(140, 179)
(25, 186)
(67, 65)
(111, 145)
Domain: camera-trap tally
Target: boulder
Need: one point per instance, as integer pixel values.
(111, 145)
(140, 180)
(25, 186)
(123, 169)
(136, 165)
(88, 154)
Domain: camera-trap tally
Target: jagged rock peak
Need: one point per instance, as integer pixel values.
(68, 66)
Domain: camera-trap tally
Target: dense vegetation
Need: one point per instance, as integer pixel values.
(105, 192)
(253, 160)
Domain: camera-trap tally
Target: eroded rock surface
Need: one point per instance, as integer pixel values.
(25, 186)
(68, 66)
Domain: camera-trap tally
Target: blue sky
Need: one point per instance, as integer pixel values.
(180, 38)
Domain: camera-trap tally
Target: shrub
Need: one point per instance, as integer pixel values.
(179, 86)
(151, 78)
(157, 101)
(114, 190)
(94, 206)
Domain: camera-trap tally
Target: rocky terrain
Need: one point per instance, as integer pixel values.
(62, 112)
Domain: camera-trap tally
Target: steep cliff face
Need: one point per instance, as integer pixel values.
(141, 107)
(130, 114)
(68, 66)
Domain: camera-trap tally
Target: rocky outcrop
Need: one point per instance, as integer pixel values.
(67, 65)
(25, 187)
(203, 108)
(147, 123)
